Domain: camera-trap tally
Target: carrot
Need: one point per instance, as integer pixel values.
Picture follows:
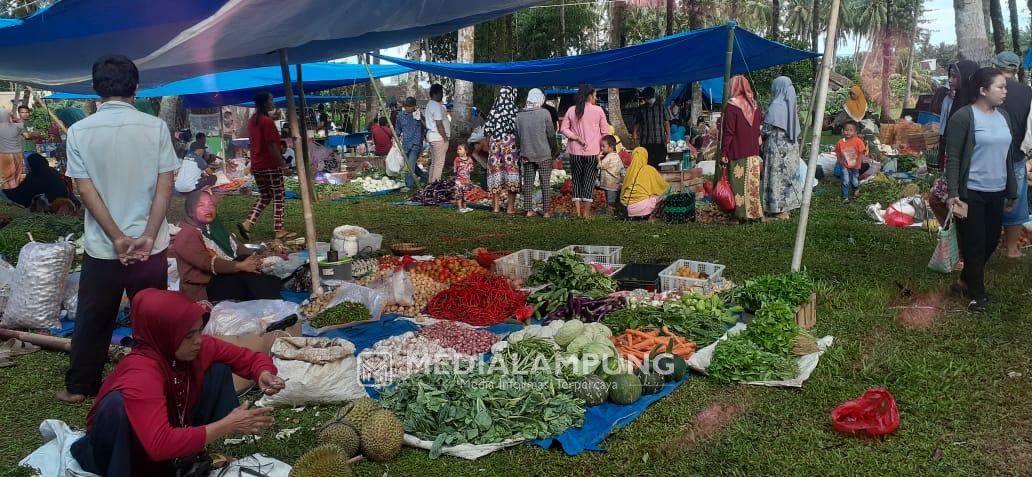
(642, 334)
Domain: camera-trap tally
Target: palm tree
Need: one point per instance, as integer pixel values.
(1012, 6)
(996, 16)
(972, 41)
(616, 33)
(775, 20)
(461, 116)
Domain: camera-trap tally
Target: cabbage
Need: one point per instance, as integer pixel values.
(569, 332)
(598, 351)
(578, 343)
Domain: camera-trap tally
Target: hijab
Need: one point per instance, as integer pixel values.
(966, 92)
(641, 180)
(215, 232)
(742, 96)
(535, 99)
(503, 114)
(161, 320)
(783, 112)
(856, 106)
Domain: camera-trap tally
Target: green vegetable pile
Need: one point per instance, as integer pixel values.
(773, 329)
(527, 354)
(739, 359)
(346, 312)
(566, 275)
(483, 407)
(793, 289)
(701, 327)
(43, 227)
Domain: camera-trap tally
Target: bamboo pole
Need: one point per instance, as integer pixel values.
(304, 133)
(302, 175)
(728, 59)
(390, 123)
(815, 146)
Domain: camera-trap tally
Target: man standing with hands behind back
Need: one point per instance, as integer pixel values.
(123, 164)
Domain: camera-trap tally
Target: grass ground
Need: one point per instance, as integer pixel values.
(962, 382)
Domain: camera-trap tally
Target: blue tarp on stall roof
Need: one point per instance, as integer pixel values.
(239, 86)
(281, 101)
(690, 56)
(712, 89)
(174, 39)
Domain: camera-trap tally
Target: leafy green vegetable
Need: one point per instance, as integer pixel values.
(527, 354)
(346, 312)
(483, 407)
(792, 288)
(738, 360)
(773, 328)
(566, 275)
(702, 328)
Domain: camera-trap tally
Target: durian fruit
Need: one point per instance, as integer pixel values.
(382, 436)
(341, 435)
(358, 411)
(322, 461)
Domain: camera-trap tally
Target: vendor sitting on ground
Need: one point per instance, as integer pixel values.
(43, 189)
(211, 265)
(196, 171)
(173, 395)
(643, 188)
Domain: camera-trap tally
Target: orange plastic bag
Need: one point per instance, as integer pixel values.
(873, 413)
(723, 195)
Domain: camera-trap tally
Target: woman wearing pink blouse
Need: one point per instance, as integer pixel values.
(584, 125)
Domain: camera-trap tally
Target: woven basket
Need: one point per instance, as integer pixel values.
(408, 248)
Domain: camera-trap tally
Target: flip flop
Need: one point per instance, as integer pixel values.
(244, 233)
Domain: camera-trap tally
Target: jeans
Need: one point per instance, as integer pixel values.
(100, 294)
(412, 153)
(1019, 215)
(979, 235)
(850, 178)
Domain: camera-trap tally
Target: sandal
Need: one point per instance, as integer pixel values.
(286, 236)
(245, 233)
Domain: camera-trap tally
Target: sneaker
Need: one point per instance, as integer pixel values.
(845, 201)
(980, 305)
(465, 209)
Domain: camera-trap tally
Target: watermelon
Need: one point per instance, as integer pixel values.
(592, 389)
(624, 388)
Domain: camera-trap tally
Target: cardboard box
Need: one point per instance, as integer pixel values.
(261, 343)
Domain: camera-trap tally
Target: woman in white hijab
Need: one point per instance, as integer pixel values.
(782, 191)
(535, 134)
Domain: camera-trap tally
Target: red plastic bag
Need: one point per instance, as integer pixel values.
(723, 195)
(874, 413)
(895, 218)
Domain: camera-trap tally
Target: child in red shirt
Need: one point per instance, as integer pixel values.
(850, 151)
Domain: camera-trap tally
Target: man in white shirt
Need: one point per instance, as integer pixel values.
(193, 173)
(438, 130)
(123, 163)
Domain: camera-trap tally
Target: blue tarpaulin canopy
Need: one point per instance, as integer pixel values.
(713, 89)
(174, 39)
(235, 87)
(281, 101)
(689, 56)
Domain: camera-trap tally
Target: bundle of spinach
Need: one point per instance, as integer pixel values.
(566, 275)
(483, 407)
(702, 328)
(739, 360)
(792, 288)
(527, 354)
(773, 329)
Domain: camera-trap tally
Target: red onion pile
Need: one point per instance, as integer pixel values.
(461, 338)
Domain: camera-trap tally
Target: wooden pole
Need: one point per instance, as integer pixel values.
(304, 134)
(815, 145)
(728, 58)
(394, 131)
(302, 175)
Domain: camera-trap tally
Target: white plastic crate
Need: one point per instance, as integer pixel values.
(607, 254)
(516, 266)
(670, 282)
(616, 268)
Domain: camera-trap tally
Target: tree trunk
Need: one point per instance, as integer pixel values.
(814, 30)
(173, 113)
(986, 15)
(972, 41)
(996, 15)
(775, 20)
(616, 35)
(669, 17)
(1012, 6)
(461, 126)
(695, 22)
(415, 52)
(886, 71)
(504, 44)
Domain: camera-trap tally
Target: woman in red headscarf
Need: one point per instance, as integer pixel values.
(172, 395)
(741, 154)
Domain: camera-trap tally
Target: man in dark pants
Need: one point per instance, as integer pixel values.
(123, 164)
(1017, 104)
(652, 127)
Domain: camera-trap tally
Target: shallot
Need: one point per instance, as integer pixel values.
(462, 338)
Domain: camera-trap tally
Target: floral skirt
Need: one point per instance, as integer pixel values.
(745, 183)
(503, 165)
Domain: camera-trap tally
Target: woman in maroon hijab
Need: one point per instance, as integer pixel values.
(172, 395)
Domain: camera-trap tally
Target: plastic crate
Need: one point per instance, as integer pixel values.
(670, 282)
(615, 266)
(607, 254)
(639, 275)
(516, 266)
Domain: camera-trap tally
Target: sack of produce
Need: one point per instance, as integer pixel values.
(70, 303)
(873, 413)
(37, 292)
(316, 370)
(7, 276)
(230, 318)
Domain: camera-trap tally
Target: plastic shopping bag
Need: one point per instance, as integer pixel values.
(897, 218)
(722, 194)
(395, 161)
(947, 252)
(873, 413)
